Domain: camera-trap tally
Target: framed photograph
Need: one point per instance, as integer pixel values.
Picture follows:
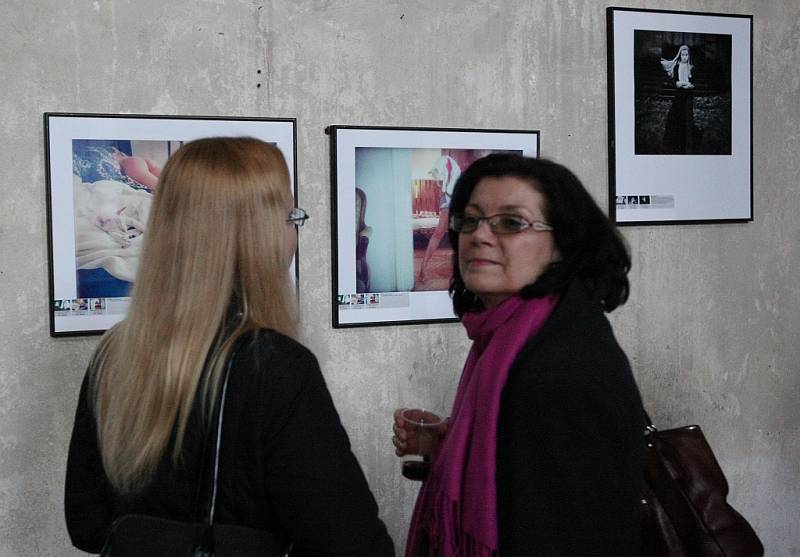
(391, 189)
(680, 103)
(102, 172)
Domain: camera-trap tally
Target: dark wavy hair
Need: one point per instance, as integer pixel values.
(591, 248)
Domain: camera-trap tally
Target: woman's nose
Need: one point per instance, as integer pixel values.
(484, 232)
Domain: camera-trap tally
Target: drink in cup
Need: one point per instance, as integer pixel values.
(427, 428)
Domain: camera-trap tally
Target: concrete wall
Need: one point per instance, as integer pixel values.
(712, 325)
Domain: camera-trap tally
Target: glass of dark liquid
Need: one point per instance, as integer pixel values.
(426, 428)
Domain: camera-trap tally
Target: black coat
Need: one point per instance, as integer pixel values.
(570, 441)
(285, 464)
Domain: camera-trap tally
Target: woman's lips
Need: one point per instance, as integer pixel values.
(480, 262)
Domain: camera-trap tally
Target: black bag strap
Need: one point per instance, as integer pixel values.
(218, 441)
(205, 546)
(648, 423)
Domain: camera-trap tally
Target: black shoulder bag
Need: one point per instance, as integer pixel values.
(134, 535)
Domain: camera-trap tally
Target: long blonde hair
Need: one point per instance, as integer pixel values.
(214, 266)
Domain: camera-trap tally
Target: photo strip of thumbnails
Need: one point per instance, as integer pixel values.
(90, 306)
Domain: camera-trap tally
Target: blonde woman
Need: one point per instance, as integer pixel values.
(213, 287)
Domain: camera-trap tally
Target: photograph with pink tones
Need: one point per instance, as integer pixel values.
(392, 190)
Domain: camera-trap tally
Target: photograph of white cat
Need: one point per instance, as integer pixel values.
(110, 219)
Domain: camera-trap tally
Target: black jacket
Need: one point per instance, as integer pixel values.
(285, 464)
(570, 441)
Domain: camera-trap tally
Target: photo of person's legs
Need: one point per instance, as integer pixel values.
(433, 245)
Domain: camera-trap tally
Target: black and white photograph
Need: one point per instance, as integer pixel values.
(102, 174)
(683, 93)
(680, 116)
(391, 191)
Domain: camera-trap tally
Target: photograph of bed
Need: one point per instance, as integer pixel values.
(113, 183)
(102, 175)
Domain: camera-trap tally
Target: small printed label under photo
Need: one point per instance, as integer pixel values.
(90, 306)
(373, 300)
(645, 202)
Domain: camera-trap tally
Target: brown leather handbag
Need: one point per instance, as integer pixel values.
(683, 510)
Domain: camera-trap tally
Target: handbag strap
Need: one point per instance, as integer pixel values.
(206, 543)
(649, 427)
(212, 503)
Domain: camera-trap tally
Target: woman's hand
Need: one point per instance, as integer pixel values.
(406, 439)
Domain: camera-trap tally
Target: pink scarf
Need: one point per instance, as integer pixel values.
(456, 510)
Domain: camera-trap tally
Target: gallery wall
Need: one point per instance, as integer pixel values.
(712, 324)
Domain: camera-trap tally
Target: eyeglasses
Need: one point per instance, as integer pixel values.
(297, 217)
(500, 224)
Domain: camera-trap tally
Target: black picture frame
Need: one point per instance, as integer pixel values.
(680, 117)
(92, 257)
(390, 188)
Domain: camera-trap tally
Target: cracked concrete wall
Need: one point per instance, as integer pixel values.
(712, 323)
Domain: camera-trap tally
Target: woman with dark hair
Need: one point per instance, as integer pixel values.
(543, 450)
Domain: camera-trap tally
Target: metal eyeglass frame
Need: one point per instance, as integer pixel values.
(494, 222)
(298, 217)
